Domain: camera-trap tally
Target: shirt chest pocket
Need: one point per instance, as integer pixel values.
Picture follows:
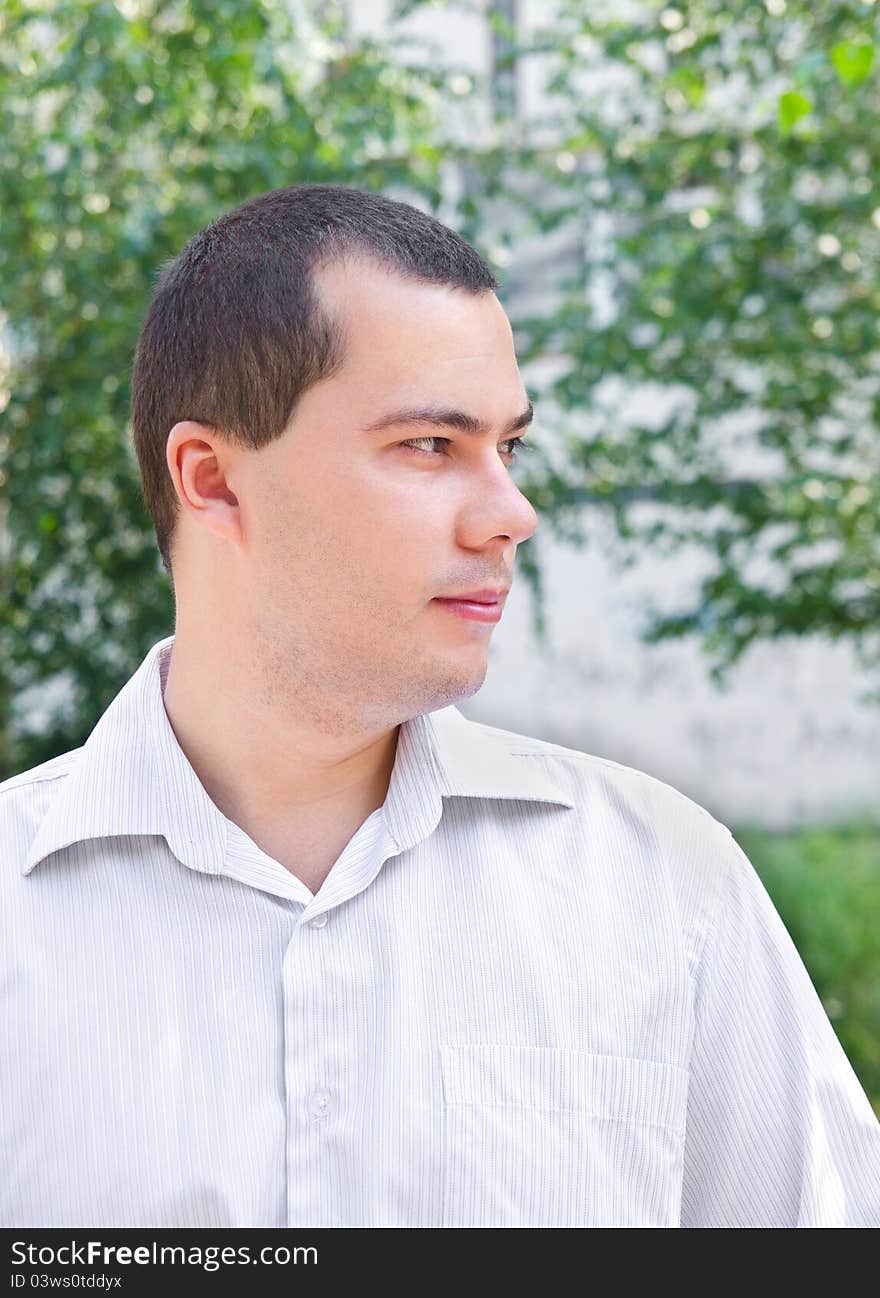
(548, 1136)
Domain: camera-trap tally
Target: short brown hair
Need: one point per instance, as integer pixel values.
(234, 333)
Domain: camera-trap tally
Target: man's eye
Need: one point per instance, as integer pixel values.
(416, 444)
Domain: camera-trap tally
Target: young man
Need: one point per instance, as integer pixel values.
(289, 941)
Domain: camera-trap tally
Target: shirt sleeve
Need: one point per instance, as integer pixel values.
(779, 1131)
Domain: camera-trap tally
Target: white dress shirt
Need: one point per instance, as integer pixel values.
(537, 988)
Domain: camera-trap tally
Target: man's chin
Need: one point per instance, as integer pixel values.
(454, 688)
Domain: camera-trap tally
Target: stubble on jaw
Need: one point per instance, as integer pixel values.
(346, 690)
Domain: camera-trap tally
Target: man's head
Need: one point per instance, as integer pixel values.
(272, 344)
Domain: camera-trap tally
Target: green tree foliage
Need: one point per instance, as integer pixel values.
(720, 160)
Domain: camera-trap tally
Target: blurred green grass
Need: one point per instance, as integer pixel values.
(825, 883)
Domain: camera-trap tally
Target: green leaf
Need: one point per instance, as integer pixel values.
(792, 107)
(691, 82)
(852, 62)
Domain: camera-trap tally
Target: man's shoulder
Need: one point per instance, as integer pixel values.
(583, 771)
(675, 839)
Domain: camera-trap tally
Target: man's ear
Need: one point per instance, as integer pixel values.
(201, 462)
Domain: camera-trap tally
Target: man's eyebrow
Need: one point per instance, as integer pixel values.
(448, 418)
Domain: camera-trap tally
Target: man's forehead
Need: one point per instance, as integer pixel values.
(425, 348)
(357, 291)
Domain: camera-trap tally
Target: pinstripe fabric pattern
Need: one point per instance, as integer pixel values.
(537, 988)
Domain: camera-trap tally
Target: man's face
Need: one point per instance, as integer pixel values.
(348, 535)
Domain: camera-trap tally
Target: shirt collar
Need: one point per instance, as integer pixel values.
(132, 777)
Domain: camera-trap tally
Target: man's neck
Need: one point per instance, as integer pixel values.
(298, 796)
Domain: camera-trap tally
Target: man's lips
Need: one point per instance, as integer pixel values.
(485, 609)
(487, 595)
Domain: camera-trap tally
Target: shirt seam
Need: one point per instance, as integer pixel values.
(24, 783)
(626, 770)
(723, 883)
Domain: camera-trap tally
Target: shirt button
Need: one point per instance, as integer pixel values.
(319, 921)
(319, 1102)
